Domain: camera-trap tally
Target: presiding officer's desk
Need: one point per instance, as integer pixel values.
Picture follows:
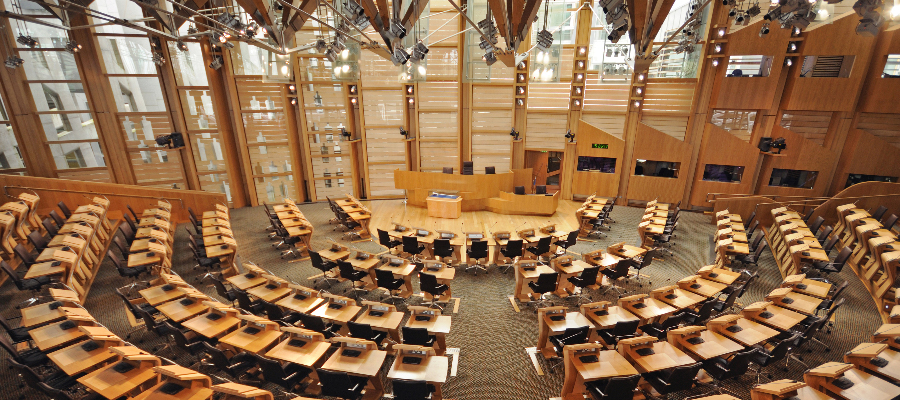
(492, 192)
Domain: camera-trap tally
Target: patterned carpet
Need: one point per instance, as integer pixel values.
(491, 336)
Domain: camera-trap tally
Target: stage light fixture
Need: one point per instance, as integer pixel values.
(610, 4)
(72, 46)
(346, 135)
(400, 56)
(158, 59)
(639, 90)
(544, 40)
(788, 62)
(294, 101)
(404, 132)
(398, 30)
(292, 88)
(764, 30)
(641, 77)
(520, 102)
(321, 46)
(489, 58)
(419, 51)
(514, 133)
(13, 62)
(216, 62)
(411, 100)
(637, 103)
(353, 100)
(570, 135)
(27, 41)
(181, 45)
(577, 103)
(721, 32)
(330, 55)
(715, 62)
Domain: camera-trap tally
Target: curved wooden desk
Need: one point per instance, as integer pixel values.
(479, 192)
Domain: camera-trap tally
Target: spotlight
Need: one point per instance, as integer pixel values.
(292, 89)
(753, 11)
(181, 45)
(192, 30)
(344, 54)
(582, 50)
(610, 4)
(640, 90)
(718, 48)
(766, 144)
(520, 102)
(352, 89)
(321, 46)
(570, 136)
(228, 45)
(577, 103)
(418, 52)
(400, 56)
(13, 62)
(721, 32)
(614, 36)
(345, 134)
(715, 62)
(398, 30)
(330, 55)
(27, 41)
(577, 90)
(869, 25)
(72, 46)
(489, 57)
(409, 89)
(544, 40)
(294, 102)
(788, 62)
(353, 100)
(764, 30)
(404, 132)
(411, 100)
(514, 134)
(216, 62)
(158, 59)
(641, 77)
(173, 140)
(338, 44)
(637, 103)
(490, 31)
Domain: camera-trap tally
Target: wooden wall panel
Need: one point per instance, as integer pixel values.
(606, 96)
(72, 193)
(881, 95)
(545, 131)
(865, 154)
(883, 126)
(801, 154)
(811, 125)
(652, 144)
(548, 96)
(882, 193)
(595, 182)
(613, 124)
(722, 148)
(736, 122)
(746, 92)
(830, 94)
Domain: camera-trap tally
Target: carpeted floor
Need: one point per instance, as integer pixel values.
(491, 336)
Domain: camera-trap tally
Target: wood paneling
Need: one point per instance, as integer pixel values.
(887, 194)
(881, 95)
(595, 182)
(613, 124)
(801, 154)
(810, 125)
(652, 144)
(865, 154)
(545, 131)
(746, 92)
(722, 148)
(883, 126)
(830, 94)
(73, 193)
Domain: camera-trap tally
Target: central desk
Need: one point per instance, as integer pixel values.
(493, 192)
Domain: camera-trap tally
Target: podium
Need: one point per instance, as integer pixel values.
(444, 206)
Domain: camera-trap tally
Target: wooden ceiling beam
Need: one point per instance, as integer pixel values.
(637, 11)
(258, 11)
(375, 18)
(413, 13)
(385, 13)
(658, 15)
(295, 20)
(498, 9)
(530, 11)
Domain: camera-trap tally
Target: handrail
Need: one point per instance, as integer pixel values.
(742, 195)
(6, 192)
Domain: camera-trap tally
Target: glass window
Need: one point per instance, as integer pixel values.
(127, 55)
(827, 66)
(600, 164)
(853, 179)
(662, 169)
(49, 65)
(138, 94)
(615, 61)
(723, 173)
(10, 156)
(793, 178)
(749, 66)
(190, 69)
(59, 96)
(892, 67)
(77, 155)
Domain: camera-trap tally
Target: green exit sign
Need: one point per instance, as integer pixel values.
(599, 146)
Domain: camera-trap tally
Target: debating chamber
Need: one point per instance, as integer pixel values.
(450, 199)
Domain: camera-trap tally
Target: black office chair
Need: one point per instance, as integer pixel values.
(365, 331)
(318, 324)
(889, 222)
(822, 236)
(749, 220)
(879, 212)
(836, 266)
(35, 285)
(622, 330)
(137, 217)
(341, 384)
(546, 283)
(38, 241)
(489, 171)
(428, 283)
(412, 390)
(540, 189)
(385, 280)
(721, 369)
(254, 307)
(570, 240)
(442, 249)
(193, 217)
(620, 271)
(323, 265)
(645, 262)
(32, 357)
(701, 314)
(354, 276)
(766, 357)
(286, 376)
(754, 242)
(59, 220)
(56, 379)
(519, 190)
(50, 226)
(468, 168)
(569, 337)
(674, 380)
(477, 251)
(808, 215)
(542, 248)
(417, 336)
(587, 278)
(222, 291)
(385, 240)
(830, 243)
(65, 209)
(411, 246)
(620, 387)
(512, 251)
(275, 313)
(448, 170)
(816, 224)
(24, 255)
(18, 334)
(752, 258)
(659, 330)
(752, 228)
(833, 296)
(133, 273)
(236, 366)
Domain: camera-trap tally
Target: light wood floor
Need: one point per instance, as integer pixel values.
(386, 211)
